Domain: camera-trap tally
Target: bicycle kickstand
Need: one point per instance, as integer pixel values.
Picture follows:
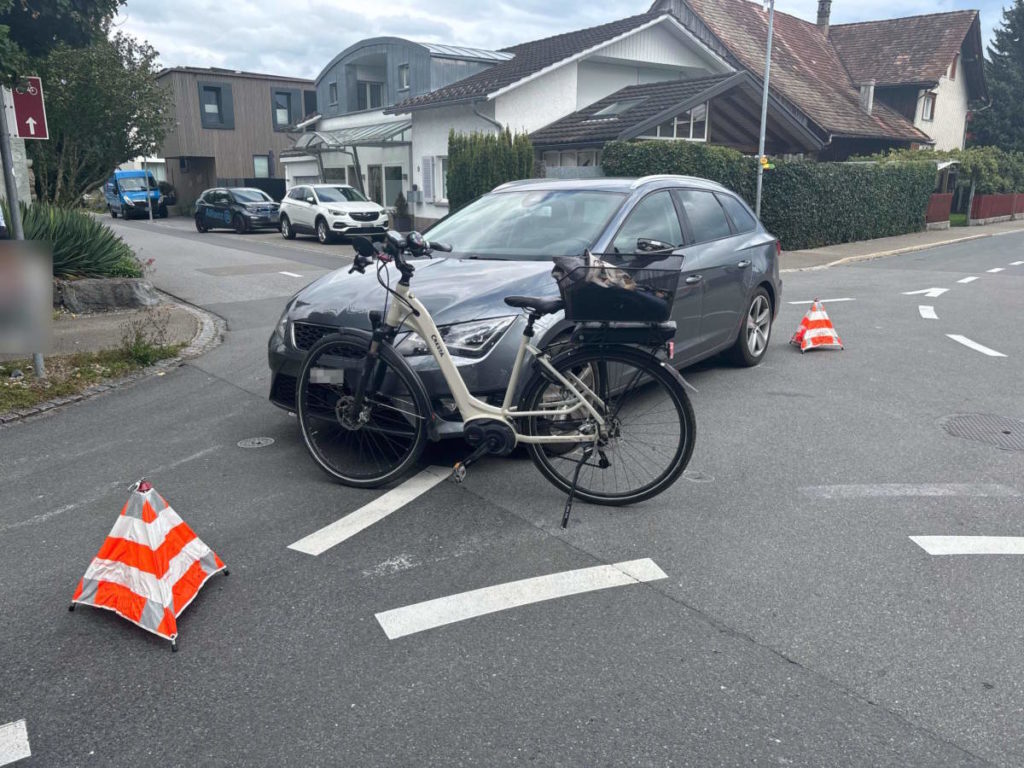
(587, 453)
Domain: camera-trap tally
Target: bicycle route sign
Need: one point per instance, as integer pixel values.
(29, 110)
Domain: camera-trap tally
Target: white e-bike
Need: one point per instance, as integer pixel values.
(604, 420)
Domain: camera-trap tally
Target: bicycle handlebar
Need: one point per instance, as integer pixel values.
(395, 247)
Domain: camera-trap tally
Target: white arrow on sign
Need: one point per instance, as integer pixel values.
(31, 123)
(931, 293)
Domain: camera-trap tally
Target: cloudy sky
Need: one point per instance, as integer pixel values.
(299, 37)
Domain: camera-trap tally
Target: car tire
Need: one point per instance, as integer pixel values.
(323, 234)
(751, 343)
(124, 213)
(286, 229)
(239, 224)
(200, 226)
(113, 213)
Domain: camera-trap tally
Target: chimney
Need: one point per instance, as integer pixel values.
(867, 96)
(824, 11)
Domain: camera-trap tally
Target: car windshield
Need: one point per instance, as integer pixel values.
(529, 225)
(135, 183)
(251, 196)
(340, 195)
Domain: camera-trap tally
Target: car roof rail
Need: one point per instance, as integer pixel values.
(673, 177)
(514, 183)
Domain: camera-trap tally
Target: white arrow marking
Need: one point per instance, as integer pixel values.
(970, 545)
(970, 279)
(928, 313)
(14, 742)
(822, 301)
(886, 490)
(974, 345)
(995, 269)
(931, 293)
(399, 622)
(31, 123)
(289, 274)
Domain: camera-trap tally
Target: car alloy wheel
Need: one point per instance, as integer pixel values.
(285, 229)
(321, 231)
(758, 325)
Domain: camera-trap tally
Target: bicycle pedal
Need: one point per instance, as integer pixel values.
(459, 472)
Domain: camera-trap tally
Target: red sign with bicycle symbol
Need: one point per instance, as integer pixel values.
(29, 110)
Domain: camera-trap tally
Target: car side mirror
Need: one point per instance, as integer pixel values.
(310, 200)
(645, 245)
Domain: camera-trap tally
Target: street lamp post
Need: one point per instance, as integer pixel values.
(764, 106)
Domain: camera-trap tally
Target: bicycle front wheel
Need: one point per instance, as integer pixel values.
(386, 437)
(649, 425)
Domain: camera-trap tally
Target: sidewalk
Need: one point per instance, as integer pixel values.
(844, 253)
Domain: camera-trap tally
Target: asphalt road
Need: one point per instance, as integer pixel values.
(797, 623)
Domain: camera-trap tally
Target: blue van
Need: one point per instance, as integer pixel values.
(125, 192)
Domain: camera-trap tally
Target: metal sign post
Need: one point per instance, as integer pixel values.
(149, 192)
(11, 185)
(764, 107)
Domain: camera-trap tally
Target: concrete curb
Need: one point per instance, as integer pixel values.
(210, 335)
(892, 252)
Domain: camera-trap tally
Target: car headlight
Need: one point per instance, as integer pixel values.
(335, 212)
(281, 329)
(472, 339)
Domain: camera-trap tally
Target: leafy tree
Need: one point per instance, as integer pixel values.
(32, 28)
(104, 107)
(1002, 124)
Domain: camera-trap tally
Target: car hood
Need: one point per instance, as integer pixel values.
(354, 207)
(453, 289)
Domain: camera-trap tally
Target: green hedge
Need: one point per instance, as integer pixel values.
(82, 245)
(993, 170)
(479, 162)
(805, 204)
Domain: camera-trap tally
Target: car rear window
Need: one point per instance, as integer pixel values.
(706, 217)
(742, 219)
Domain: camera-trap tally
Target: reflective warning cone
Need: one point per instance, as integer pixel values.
(816, 330)
(150, 567)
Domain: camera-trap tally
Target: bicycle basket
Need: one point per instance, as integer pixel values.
(619, 287)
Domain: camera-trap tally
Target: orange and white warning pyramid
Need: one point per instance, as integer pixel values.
(816, 330)
(150, 567)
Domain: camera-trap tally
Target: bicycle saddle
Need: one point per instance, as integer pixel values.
(536, 304)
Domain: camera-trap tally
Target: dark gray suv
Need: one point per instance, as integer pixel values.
(728, 296)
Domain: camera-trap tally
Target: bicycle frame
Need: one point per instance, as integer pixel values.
(419, 320)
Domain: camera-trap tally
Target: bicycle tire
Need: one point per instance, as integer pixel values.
(653, 378)
(394, 434)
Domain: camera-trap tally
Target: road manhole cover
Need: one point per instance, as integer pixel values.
(256, 442)
(999, 431)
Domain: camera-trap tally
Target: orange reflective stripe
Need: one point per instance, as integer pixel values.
(142, 557)
(121, 599)
(187, 586)
(148, 513)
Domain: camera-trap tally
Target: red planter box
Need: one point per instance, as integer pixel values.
(939, 207)
(990, 206)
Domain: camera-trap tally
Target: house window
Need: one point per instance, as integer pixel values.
(215, 108)
(261, 166)
(689, 126)
(369, 95)
(212, 108)
(403, 77)
(442, 163)
(550, 159)
(952, 67)
(928, 108)
(282, 109)
(332, 93)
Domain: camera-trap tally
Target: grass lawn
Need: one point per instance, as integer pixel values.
(958, 219)
(74, 373)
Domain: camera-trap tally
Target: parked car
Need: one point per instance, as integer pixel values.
(239, 208)
(728, 296)
(330, 210)
(125, 195)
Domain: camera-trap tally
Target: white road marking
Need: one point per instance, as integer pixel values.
(970, 279)
(931, 293)
(970, 545)
(928, 313)
(974, 345)
(1016, 263)
(822, 301)
(399, 622)
(290, 274)
(320, 541)
(14, 744)
(855, 491)
(995, 269)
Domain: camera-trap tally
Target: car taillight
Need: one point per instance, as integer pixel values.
(778, 248)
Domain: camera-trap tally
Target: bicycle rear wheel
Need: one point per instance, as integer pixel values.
(651, 426)
(387, 436)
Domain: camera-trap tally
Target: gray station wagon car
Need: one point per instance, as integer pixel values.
(502, 244)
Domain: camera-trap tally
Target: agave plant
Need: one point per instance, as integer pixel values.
(82, 246)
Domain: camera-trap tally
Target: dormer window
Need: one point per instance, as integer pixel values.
(691, 125)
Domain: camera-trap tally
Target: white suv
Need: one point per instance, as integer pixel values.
(330, 210)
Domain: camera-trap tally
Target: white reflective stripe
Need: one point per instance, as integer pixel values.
(150, 534)
(817, 316)
(817, 333)
(146, 584)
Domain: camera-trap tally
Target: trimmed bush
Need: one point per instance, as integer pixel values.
(805, 204)
(479, 162)
(82, 246)
(993, 170)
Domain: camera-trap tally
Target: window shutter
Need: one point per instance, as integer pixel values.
(428, 177)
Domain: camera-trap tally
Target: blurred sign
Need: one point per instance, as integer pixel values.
(29, 110)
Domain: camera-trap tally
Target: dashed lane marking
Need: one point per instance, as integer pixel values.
(329, 536)
(822, 301)
(14, 744)
(856, 491)
(970, 545)
(928, 313)
(418, 617)
(995, 269)
(1016, 263)
(974, 345)
(970, 279)
(931, 293)
(290, 274)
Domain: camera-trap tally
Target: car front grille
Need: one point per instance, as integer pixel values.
(370, 216)
(308, 334)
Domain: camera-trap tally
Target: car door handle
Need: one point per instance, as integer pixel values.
(744, 264)
(692, 279)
